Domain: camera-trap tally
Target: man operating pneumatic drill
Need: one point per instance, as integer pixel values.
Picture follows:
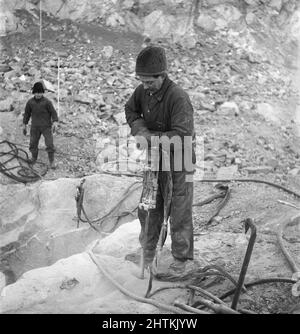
(159, 107)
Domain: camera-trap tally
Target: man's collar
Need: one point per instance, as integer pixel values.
(161, 92)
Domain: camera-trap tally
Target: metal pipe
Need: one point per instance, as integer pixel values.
(248, 224)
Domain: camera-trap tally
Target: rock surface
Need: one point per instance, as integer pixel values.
(70, 285)
(155, 19)
(37, 221)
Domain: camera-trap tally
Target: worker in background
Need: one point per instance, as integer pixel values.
(43, 122)
(159, 107)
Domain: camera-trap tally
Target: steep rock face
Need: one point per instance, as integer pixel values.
(157, 19)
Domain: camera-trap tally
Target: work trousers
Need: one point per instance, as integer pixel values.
(181, 223)
(35, 135)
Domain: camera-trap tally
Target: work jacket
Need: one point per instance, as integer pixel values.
(167, 112)
(41, 112)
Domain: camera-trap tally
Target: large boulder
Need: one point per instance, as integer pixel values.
(219, 17)
(157, 24)
(76, 285)
(269, 113)
(37, 220)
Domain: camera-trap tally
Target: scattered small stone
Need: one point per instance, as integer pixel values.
(11, 74)
(23, 77)
(91, 64)
(83, 99)
(51, 63)
(120, 118)
(294, 172)
(273, 163)
(229, 107)
(6, 105)
(48, 86)
(259, 169)
(5, 68)
(62, 54)
(107, 51)
(237, 161)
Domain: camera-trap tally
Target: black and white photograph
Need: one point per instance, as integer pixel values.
(150, 160)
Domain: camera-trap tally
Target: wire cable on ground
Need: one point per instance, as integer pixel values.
(220, 205)
(221, 272)
(100, 220)
(225, 309)
(261, 281)
(292, 263)
(275, 185)
(190, 308)
(127, 293)
(255, 181)
(287, 255)
(206, 294)
(24, 174)
(217, 308)
(209, 199)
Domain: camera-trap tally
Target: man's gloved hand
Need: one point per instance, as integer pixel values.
(54, 127)
(138, 125)
(140, 131)
(24, 130)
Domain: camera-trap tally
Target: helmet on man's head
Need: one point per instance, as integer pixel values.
(151, 61)
(38, 87)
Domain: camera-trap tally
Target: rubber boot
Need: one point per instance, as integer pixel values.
(33, 159)
(51, 161)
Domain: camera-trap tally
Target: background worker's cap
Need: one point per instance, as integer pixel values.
(38, 87)
(151, 61)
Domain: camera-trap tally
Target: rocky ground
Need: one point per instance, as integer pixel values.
(245, 110)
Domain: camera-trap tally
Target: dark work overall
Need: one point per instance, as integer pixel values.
(35, 135)
(42, 114)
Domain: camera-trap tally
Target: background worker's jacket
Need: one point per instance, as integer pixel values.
(41, 112)
(168, 112)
